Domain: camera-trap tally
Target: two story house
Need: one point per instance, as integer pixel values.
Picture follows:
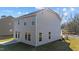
(38, 28)
(6, 25)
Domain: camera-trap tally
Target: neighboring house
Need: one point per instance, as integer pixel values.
(6, 25)
(38, 28)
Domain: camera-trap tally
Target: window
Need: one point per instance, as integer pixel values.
(18, 22)
(49, 35)
(18, 34)
(29, 37)
(9, 23)
(33, 22)
(26, 36)
(40, 36)
(10, 30)
(25, 23)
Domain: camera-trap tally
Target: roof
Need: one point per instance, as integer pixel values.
(29, 14)
(7, 17)
(38, 12)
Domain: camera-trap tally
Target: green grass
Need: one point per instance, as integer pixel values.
(59, 45)
(6, 40)
(53, 46)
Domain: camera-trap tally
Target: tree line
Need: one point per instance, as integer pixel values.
(71, 27)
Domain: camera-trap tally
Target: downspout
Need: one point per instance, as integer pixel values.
(36, 31)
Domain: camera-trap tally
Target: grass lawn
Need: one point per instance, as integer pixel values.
(74, 43)
(6, 40)
(60, 45)
(53, 46)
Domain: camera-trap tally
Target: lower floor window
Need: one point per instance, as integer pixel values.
(49, 35)
(40, 36)
(29, 37)
(26, 36)
(17, 34)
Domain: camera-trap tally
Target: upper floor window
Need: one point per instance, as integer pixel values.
(25, 23)
(10, 30)
(33, 22)
(49, 35)
(18, 22)
(9, 23)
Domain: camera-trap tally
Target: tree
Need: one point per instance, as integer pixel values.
(73, 25)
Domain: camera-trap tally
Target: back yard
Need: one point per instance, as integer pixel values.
(53, 46)
(60, 45)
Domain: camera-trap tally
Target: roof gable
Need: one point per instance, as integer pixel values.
(33, 13)
(50, 10)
